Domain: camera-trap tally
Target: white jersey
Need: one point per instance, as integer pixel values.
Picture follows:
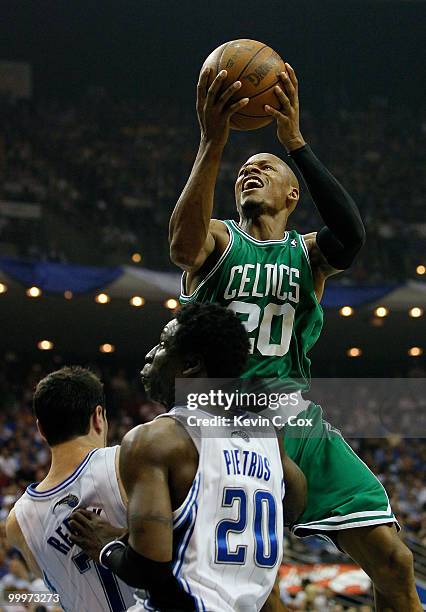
(82, 585)
(228, 533)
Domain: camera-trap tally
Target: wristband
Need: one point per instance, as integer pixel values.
(108, 549)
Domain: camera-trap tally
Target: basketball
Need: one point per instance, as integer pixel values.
(257, 66)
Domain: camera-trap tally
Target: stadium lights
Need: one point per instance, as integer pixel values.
(107, 348)
(45, 345)
(346, 311)
(171, 303)
(33, 292)
(421, 269)
(136, 257)
(3, 288)
(381, 311)
(137, 301)
(354, 351)
(415, 351)
(415, 312)
(68, 295)
(102, 298)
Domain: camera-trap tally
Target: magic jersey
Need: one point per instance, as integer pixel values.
(228, 533)
(43, 516)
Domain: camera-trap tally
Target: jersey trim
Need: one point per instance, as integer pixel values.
(304, 247)
(62, 485)
(184, 296)
(181, 513)
(254, 240)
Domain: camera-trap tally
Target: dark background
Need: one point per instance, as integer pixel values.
(344, 51)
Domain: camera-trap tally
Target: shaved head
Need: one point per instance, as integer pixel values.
(266, 182)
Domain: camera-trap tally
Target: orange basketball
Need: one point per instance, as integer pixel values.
(257, 66)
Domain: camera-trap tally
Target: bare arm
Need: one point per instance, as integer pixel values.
(16, 538)
(321, 269)
(144, 466)
(147, 455)
(192, 234)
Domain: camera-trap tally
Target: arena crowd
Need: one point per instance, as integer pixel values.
(399, 463)
(109, 172)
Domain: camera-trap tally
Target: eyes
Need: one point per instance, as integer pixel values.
(265, 167)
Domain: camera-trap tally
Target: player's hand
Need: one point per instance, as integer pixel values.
(214, 109)
(288, 129)
(92, 533)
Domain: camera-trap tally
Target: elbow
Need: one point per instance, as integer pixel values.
(182, 257)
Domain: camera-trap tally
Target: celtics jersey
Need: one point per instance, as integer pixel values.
(269, 285)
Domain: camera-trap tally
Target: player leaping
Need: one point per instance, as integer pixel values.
(274, 279)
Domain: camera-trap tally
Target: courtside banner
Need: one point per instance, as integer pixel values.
(345, 579)
(354, 407)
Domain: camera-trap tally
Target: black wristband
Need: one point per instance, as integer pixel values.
(143, 573)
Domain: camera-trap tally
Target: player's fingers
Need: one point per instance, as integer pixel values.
(84, 512)
(292, 75)
(273, 112)
(288, 86)
(81, 519)
(76, 530)
(229, 92)
(202, 85)
(282, 98)
(215, 87)
(238, 106)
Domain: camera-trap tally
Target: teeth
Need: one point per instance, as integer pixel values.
(252, 183)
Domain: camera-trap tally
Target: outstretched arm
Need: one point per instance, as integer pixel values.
(343, 234)
(143, 559)
(192, 234)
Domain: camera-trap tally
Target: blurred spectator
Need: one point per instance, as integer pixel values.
(399, 463)
(107, 174)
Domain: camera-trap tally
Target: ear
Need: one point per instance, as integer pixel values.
(192, 367)
(40, 429)
(98, 419)
(293, 194)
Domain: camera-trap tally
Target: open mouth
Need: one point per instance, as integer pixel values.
(251, 182)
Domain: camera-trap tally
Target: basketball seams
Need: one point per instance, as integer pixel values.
(250, 60)
(259, 93)
(221, 56)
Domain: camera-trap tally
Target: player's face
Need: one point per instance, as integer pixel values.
(262, 182)
(162, 366)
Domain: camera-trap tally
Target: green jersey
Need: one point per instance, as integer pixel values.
(269, 285)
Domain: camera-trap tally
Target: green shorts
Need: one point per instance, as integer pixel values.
(343, 492)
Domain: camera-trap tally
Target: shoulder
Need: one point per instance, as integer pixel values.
(13, 531)
(310, 240)
(219, 231)
(159, 442)
(218, 226)
(16, 538)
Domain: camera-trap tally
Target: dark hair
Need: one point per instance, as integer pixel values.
(216, 334)
(64, 402)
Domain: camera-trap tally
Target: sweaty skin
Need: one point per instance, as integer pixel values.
(197, 242)
(158, 464)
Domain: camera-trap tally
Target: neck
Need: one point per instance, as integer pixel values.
(65, 458)
(266, 227)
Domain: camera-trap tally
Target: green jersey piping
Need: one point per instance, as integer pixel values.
(254, 240)
(191, 296)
